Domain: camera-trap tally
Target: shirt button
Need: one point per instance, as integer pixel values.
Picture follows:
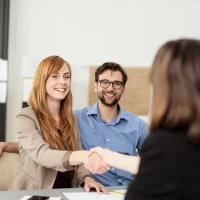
(107, 139)
(120, 180)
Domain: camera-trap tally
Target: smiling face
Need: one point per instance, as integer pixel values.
(58, 84)
(109, 96)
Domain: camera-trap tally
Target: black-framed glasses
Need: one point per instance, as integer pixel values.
(115, 84)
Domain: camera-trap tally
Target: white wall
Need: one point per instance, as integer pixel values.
(89, 32)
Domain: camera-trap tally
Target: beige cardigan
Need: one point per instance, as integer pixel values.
(40, 163)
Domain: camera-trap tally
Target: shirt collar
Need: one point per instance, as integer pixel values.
(122, 114)
(94, 110)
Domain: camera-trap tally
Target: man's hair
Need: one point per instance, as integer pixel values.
(175, 78)
(113, 67)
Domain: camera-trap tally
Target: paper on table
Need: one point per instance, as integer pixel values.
(92, 196)
(51, 198)
(25, 197)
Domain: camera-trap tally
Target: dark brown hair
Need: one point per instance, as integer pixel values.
(175, 78)
(113, 67)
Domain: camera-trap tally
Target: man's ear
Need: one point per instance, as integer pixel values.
(95, 86)
(124, 89)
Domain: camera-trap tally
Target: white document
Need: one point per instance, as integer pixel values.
(3, 92)
(51, 198)
(93, 196)
(3, 70)
(25, 197)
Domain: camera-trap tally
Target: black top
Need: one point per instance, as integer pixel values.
(169, 168)
(63, 179)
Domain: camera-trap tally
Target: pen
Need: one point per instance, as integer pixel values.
(118, 193)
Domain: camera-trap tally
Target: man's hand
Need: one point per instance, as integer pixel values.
(90, 183)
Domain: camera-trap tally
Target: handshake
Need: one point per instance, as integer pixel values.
(99, 160)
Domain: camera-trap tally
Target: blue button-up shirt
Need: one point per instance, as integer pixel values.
(125, 134)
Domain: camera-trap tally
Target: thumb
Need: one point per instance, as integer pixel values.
(90, 153)
(86, 187)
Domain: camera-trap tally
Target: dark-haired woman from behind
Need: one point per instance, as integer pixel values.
(170, 157)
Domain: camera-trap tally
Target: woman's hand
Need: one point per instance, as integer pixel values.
(96, 164)
(91, 183)
(103, 153)
(117, 160)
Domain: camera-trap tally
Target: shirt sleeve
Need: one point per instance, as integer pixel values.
(157, 176)
(143, 131)
(32, 142)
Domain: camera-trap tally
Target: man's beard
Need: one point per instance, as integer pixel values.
(103, 100)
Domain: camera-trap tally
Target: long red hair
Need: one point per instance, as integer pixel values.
(68, 140)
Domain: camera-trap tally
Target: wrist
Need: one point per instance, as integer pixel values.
(78, 157)
(88, 178)
(110, 157)
(2, 145)
(85, 156)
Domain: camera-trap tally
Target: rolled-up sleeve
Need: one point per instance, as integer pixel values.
(34, 145)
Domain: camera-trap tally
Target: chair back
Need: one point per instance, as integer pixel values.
(10, 164)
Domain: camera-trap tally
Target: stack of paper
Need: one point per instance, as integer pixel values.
(93, 196)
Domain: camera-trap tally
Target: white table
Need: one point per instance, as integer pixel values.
(17, 195)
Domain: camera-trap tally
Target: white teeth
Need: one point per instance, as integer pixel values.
(60, 89)
(110, 95)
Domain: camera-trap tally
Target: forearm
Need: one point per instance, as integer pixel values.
(81, 174)
(11, 147)
(124, 162)
(78, 157)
